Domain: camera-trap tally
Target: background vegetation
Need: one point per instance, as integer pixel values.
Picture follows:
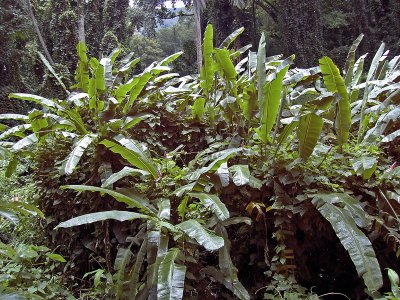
(130, 171)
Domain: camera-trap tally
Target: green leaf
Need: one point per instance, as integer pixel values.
(135, 271)
(22, 208)
(213, 203)
(391, 137)
(15, 131)
(171, 277)
(335, 84)
(394, 282)
(75, 156)
(170, 58)
(136, 90)
(261, 75)
(204, 237)
(237, 220)
(358, 69)
(11, 167)
(126, 171)
(114, 55)
(228, 270)
(82, 71)
(198, 108)
(232, 37)
(249, 102)
(99, 75)
(137, 202)
(365, 166)
(288, 129)
(128, 66)
(76, 119)
(381, 125)
(164, 209)
(8, 215)
(225, 64)
(208, 69)
(132, 121)
(36, 99)
(308, 133)
(375, 62)
(108, 77)
(48, 66)
(271, 101)
(240, 174)
(15, 117)
(56, 257)
(123, 89)
(223, 174)
(351, 56)
(132, 153)
(354, 241)
(222, 157)
(349, 203)
(102, 216)
(25, 142)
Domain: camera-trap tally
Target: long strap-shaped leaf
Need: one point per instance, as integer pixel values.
(213, 203)
(140, 204)
(208, 69)
(171, 277)
(36, 99)
(126, 171)
(375, 62)
(335, 83)
(132, 153)
(17, 117)
(351, 56)
(225, 64)
(82, 71)
(228, 270)
(222, 157)
(102, 216)
(261, 75)
(354, 241)
(75, 156)
(204, 237)
(232, 37)
(25, 142)
(272, 99)
(137, 89)
(170, 58)
(135, 271)
(308, 132)
(15, 131)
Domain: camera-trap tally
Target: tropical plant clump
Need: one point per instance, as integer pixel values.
(247, 180)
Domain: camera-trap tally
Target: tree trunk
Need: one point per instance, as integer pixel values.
(36, 26)
(81, 22)
(197, 6)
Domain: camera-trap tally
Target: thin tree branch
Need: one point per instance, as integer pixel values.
(36, 26)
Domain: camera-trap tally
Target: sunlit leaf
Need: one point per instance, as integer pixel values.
(204, 237)
(213, 203)
(354, 241)
(102, 216)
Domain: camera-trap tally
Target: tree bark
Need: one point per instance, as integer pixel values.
(36, 26)
(197, 7)
(81, 22)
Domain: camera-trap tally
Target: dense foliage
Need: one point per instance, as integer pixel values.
(251, 179)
